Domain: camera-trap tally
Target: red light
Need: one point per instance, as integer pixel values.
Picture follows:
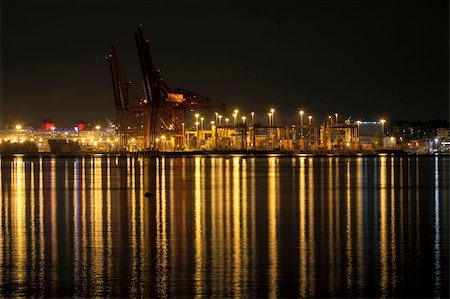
(49, 126)
(81, 127)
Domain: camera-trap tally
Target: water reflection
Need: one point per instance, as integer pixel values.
(437, 236)
(224, 226)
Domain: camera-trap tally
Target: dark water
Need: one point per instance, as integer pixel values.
(225, 226)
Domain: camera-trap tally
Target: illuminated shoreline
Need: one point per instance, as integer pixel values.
(221, 153)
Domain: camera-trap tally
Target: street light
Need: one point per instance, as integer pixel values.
(220, 120)
(273, 112)
(234, 118)
(270, 118)
(217, 115)
(243, 120)
(382, 121)
(336, 117)
(253, 118)
(196, 117)
(301, 112)
(310, 125)
(226, 121)
(202, 119)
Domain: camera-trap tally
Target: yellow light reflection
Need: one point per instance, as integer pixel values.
(384, 275)
(253, 248)
(131, 183)
(302, 246)
(77, 246)
(53, 224)
(348, 245)
(393, 242)
(199, 233)
(228, 227)
(273, 193)
(19, 229)
(97, 228)
(359, 218)
(42, 242)
(161, 232)
(331, 228)
(217, 254)
(236, 228)
(311, 228)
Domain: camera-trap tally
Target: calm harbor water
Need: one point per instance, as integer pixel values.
(225, 226)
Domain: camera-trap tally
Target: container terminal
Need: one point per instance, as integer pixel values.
(174, 120)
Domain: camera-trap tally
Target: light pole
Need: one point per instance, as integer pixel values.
(217, 116)
(358, 122)
(244, 133)
(202, 127)
(220, 119)
(214, 132)
(252, 131)
(272, 111)
(196, 117)
(196, 129)
(234, 119)
(163, 141)
(301, 112)
(382, 121)
(184, 135)
(310, 125)
(336, 117)
(270, 118)
(226, 121)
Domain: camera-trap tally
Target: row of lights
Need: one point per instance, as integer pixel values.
(199, 120)
(19, 127)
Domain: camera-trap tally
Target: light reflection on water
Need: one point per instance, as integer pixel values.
(225, 226)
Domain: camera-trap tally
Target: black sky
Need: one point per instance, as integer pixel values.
(365, 59)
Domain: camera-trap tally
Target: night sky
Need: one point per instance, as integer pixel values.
(363, 59)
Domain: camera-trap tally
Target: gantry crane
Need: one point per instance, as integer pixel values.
(162, 109)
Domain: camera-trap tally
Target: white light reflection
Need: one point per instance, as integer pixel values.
(437, 233)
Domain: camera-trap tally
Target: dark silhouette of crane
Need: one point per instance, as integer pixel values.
(162, 109)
